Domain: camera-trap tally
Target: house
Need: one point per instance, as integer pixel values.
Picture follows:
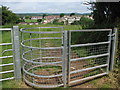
(36, 17)
(31, 23)
(52, 17)
(45, 21)
(23, 23)
(71, 20)
(36, 23)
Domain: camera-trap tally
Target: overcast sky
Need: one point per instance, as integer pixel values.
(46, 6)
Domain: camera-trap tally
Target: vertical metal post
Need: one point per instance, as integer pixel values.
(31, 54)
(113, 47)
(68, 61)
(16, 53)
(0, 56)
(62, 29)
(22, 34)
(64, 68)
(109, 49)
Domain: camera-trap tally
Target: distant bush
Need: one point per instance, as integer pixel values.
(84, 22)
(39, 20)
(56, 22)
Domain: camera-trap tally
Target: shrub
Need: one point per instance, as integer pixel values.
(84, 22)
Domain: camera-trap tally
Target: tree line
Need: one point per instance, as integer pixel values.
(8, 17)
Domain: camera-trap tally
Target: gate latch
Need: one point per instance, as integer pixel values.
(112, 36)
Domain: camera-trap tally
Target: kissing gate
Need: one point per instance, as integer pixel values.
(53, 57)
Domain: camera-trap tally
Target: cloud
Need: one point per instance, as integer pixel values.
(46, 7)
(43, 0)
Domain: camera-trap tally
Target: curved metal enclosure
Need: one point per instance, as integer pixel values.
(42, 56)
(53, 57)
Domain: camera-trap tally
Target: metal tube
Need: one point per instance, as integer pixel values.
(16, 53)
(90, 44)
(89, 30)
(109, 48)
(113, 48)
(68, 62)
(82, 70)
(52, 32)
(31, 56)
(64, 68)
(7, 72)
(1, 44)
(6, 64)
(5, 29)
(7, 79)
(6, 57)
(41, 48)
(89, 57)
(42, 86)
(98, 75)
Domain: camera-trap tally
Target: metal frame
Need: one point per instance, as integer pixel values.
(89, 57)
(32, 61)
(65, 58)
(66, 52)
(16, 54)
(10, 56)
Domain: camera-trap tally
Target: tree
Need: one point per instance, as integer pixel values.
(72, 14)
(8, 17)
(56, 22)
(39, 20)
(44, 15)
(27, 17)
(84, 22)
(105, 13)
(62, 15)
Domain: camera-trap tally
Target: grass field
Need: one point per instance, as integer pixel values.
(109, 81)
(30, 20)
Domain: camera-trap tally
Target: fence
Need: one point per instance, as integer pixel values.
(53, 57)
(10, 54)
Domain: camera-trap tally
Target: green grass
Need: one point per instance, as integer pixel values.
(66, 27)
(30, 20)
(14, 84)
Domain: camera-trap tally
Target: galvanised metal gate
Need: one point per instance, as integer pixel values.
(9, 54)
(53, 57)
(89, 54)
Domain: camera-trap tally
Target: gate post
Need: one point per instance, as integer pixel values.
(16, 53)
(64, 68)
(68, 60)
(113, 48)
